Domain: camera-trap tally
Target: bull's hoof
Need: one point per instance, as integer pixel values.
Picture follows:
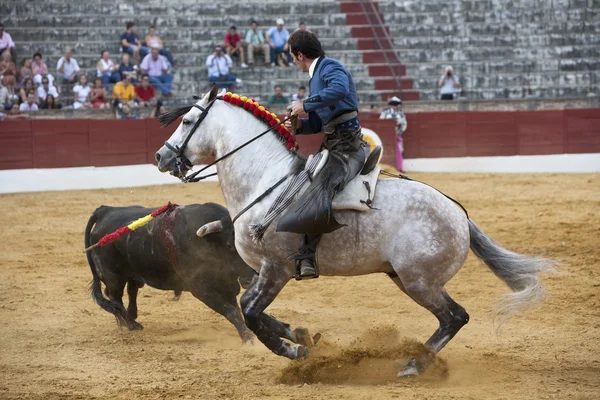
(134, 326)
(303, 337)
(410, 370)
(176, 297)
(301, 352)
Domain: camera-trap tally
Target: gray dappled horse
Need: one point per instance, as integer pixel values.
(414, 234)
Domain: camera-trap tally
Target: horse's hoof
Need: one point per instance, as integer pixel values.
(135, 327)
(248, 339)
(303, 337)
(301, 352)
(316, 338)
(410, 370)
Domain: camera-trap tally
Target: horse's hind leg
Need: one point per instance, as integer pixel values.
(450, 314)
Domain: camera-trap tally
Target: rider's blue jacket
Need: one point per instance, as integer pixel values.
(332, 93)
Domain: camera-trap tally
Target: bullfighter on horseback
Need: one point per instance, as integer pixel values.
(332, 109)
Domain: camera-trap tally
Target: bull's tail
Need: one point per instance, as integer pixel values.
(95, 288)
(518, 271)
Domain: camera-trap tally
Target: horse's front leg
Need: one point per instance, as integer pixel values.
(262, 291)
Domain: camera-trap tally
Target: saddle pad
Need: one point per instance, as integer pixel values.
(356, 190)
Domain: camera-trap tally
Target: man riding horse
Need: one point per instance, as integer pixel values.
(332, 109)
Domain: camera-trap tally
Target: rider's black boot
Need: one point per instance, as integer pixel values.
(306, 263)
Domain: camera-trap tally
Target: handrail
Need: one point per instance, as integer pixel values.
(388, 38)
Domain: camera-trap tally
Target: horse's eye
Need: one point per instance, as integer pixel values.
(186, 122)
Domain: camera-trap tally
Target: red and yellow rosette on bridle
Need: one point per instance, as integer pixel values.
(119, 233)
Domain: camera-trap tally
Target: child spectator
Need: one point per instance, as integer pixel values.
(155, 66)
(45, 89)
(277, 38)
(233, 45)
(126, 113)
(67, 69)
(128, 69)
(50, 104)
(278, 97)
(82, 94)
(8, 70)
(145, 92)
(218, 69)
(98, 95)
(301, 95)
(106, 69)
(152, 40)
(26, 72)
(130, 43)
(30, 104)
(256, 44)
(28, 85)
(6, 42)
(124, 92)
(40, 70)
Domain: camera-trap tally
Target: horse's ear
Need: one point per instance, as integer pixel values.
(213, 93)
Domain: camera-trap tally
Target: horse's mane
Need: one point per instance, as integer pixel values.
(168, 117)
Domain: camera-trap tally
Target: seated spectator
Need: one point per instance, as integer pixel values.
(233, 45)
(302, 27)
(50, 104)
(82, 94)
(277, 38)
(5, 101)
(67, 69)
(159, 109)
(45, 89)
(28, 85)
(152, 40)
(145, 92)
(395, 112)
(130, 43)
(155, 66)
(256, 44)
(301, 95)
(25, 72)
(106, 69)
(8, 71)
(98, 95)
(218, 69)
(128, 69)
(30, 104)
(40, 70)
(6, 42)
(278, 97)
(124, 93)
(449, 84)
(126, 113)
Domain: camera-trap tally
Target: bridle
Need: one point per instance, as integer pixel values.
(182, 161)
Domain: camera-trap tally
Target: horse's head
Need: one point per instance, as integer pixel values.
(191, 141)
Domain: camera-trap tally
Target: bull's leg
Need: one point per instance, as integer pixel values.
(225, 304)
(115, 290)
(262, 291)
(132, 292)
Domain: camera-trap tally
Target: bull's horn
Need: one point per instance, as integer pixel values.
(211, 227)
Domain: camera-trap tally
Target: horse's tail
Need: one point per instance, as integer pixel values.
(518, 271)
(95, 288)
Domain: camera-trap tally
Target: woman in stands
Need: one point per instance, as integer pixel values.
(82, 94)
(27, 86)
(50, 104)
(106, 69)
(40, 70)
(98, 95)
(8, 71)
(154, 41)
(26, 72)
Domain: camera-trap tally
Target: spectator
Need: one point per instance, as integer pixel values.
(152, 40)
(278, 97)
(155, 66)
(131, 44)
(449, 84)
(50, 104)
(30, 104)
(45, 89)
(301, 95)
(8, 71)
(5, 100)
(395, 112)
(233, 45)
(159, 109)
(67, 69)
(145, 92)
(28, 85)
(6, 42)
(256, 44)
(302, 27)
(40, 70)
(124, 92)
(106, 69)
(128, 69)
(126, 113)
(98, 95)
(277, 38)
(218, 69)
(82, 94)
(26, 72)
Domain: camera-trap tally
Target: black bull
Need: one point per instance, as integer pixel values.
(167, 254)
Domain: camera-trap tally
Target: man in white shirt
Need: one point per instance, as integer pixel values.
(29, 105)
(157, 69)
(449, 84)
(256, 44)
(218, 69)
(45, 89)
(67, 69)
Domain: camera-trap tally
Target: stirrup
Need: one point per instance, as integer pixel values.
(298, 262)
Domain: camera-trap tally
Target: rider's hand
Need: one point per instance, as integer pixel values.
(297, 107)
(292, 124)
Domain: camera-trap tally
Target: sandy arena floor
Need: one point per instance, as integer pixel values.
(56, 343)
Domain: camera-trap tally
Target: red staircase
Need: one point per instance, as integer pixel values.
(390, 76)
